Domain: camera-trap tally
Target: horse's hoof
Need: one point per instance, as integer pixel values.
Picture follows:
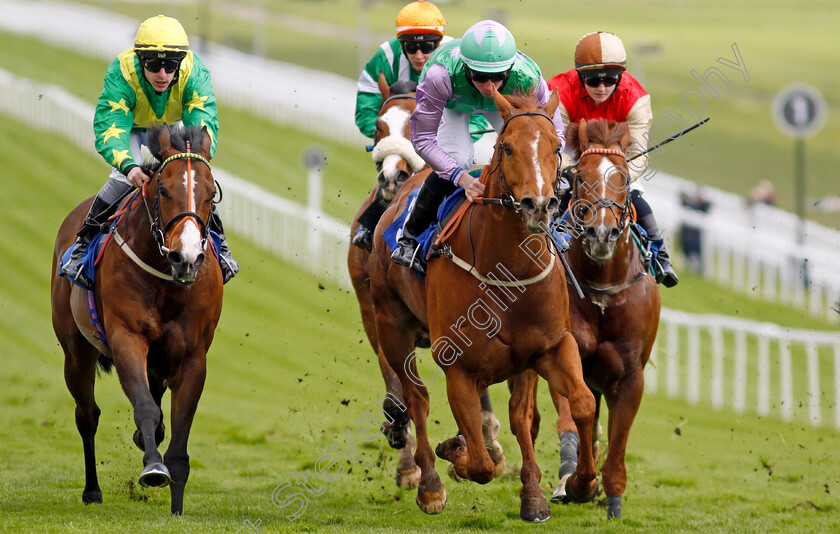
(92, 496)
(453, 475)
(584, 496)
(432, 502)
(408, 478)
(451, 449)
(397, 438)
(155, 475)
(559, 496)
(534, 509)
(614, 507)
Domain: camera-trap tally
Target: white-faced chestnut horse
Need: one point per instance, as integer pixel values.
(158, 302)
(615, 323)
(484, 330)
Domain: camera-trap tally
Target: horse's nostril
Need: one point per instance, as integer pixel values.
(553, 205)
(175, 258)
(614, 233)
(590, 233)
(528, 204)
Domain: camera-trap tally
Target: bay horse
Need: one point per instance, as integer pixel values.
(158, 303)
(396, 161)
(615, 324)
(475, 344)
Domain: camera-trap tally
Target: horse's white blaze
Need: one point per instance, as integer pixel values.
(604, 169)
(389, 165)
(190, 233)
(396, 119)
(190, 241)
(535, 157)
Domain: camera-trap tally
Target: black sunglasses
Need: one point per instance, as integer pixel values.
(411, 47)
(169, 65)
(482, 77)
(595, 81)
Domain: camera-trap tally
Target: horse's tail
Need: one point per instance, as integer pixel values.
(105, 363)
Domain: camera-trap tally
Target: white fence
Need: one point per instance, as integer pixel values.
(725, 361)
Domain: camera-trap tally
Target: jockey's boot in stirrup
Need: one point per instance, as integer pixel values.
(424, 213)
(226, 261)
(368, 220)
(90, 227)
(665, 274)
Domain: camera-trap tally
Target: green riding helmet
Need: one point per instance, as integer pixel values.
(488, 47)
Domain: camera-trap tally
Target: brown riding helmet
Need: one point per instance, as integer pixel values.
(600, 51)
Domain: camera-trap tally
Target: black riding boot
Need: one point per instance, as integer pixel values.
(90, 227)
(368, 220)
(226, 261)
(422, 215)
(665, 274)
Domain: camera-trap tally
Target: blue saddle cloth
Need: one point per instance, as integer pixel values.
(427, 237)
(89, 259)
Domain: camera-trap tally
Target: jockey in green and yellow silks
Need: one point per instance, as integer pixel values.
(159, 80)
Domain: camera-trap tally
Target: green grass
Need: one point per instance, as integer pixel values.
(290, 372)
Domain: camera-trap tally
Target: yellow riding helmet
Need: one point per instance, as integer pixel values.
(161, 34)
(600, 50)
(420, 17)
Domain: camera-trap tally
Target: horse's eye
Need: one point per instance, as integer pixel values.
(507, 149)
(164, 193)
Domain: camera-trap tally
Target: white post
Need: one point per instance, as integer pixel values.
(717, 366)
(785, 380)
(813, 384)
(314, 159)
(672, 369)
(739, 385)
(693, 394)
(837, 387)
(763, 375)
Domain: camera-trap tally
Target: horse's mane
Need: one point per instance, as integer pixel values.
(523, 101)
(599, 131)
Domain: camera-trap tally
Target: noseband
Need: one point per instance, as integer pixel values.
(159, 233)
(607, 203)
(507, 199)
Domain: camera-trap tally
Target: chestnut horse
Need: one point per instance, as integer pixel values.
(396, 160)
(615, 323)
(484, 328)
(158, 302)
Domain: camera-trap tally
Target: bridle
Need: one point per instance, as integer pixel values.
(507, 199)
(158, 232)
(579, 208)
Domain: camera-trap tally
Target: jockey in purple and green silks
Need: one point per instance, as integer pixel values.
(420, 30)
(459, 80)
(159, 80)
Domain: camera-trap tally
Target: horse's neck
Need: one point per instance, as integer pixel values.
(499, 236)
(623, 266)
(135, 230)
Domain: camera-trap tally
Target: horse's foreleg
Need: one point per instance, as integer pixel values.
(431, 495)
(569, 439)
(562, 370)
(523, 388)
(130, 353)
(474, 463)
(80, 376)
(490, 429)
(157, 386)
(186, 389)
(623, 407)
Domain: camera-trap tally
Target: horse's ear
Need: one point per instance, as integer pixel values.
(383, 87)
(582, 136)
(164, 142)
(573, 139)
(206, 142)
(625, 136)
(504, 107)
(553, 102)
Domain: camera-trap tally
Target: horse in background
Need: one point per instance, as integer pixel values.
(477, 345)
(615, 324)
(157, 303)
(395, 161)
